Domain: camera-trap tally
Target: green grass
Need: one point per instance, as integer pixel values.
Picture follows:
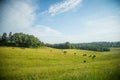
(51, 64)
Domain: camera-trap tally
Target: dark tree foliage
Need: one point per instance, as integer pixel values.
(20, 40)
(25, 40)
(4, 39)
(67, 45)
(94, 46)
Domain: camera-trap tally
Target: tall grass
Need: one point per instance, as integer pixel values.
(51, 64)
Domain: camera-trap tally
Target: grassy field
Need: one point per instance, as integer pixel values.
(52, 64)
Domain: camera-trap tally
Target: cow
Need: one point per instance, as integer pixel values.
(93, 56)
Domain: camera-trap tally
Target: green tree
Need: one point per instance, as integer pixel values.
(4, 39)
(0, 40)
(10, 37)
(25, 40)
(67, 45)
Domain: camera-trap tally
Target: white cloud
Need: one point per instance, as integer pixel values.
(43, 31)
(64, 6)
(106, 24)
(99, 29)
(17, 16)
(20, 17)
(104, 29)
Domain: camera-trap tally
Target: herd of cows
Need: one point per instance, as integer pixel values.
(84, 61)
(91, 56)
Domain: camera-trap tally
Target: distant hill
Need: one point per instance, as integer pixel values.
(94, 46)
(25, 40)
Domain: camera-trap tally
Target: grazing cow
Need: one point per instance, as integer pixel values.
(74, 53)
(93, 56)
(84, 54)
(22, 47)
(84, 61)
(89, 55)
(65, 52)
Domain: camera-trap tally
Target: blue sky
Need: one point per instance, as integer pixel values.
(58, 21)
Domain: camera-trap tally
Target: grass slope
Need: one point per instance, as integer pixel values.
(51, 64)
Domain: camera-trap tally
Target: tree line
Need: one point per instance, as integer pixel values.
(20, 40)
(94, 46)
(25, 40)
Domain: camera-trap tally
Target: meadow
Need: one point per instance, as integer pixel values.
(52, 64)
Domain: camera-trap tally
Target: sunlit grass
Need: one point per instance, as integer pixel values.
(52, 64)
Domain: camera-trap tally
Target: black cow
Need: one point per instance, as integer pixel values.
(93, 56)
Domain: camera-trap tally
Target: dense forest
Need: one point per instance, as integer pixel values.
(20, 40)
(25, 40)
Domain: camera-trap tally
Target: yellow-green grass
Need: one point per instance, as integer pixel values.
(52, 64)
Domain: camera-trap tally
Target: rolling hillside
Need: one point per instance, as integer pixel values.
(53, 64)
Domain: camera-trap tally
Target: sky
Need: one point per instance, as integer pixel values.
(58, 21)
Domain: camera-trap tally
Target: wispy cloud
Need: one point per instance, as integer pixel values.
(103, 29)
(17, 16)
(20, 17)
(44, 31)
(98, 29)
(64, 6)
